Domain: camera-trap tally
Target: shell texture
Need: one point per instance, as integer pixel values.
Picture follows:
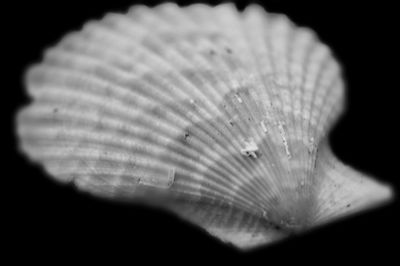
(218, 115)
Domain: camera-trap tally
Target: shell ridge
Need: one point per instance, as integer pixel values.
(236, 106)
(253, 117)
(277, 121)
(276, 164)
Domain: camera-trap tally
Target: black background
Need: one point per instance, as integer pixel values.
(48, 220)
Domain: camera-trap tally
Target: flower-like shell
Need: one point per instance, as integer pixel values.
(218, 115)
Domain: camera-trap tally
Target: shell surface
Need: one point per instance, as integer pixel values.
(218, 115)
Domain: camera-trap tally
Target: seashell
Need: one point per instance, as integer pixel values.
(220, 116)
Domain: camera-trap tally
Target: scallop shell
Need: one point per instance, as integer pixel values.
(220, 116)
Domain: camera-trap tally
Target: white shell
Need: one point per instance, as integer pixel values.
(218, 115)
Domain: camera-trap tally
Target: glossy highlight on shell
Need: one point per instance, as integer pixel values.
(217, 115)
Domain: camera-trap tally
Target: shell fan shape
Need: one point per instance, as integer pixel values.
(219, 115)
